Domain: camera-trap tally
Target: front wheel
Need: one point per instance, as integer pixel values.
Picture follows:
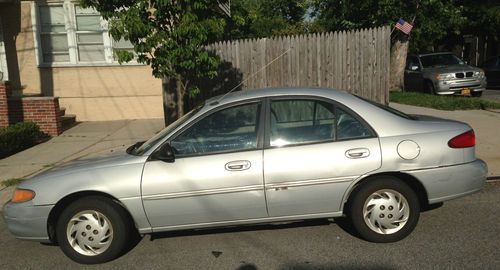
(384, 209)
(93, 230)
(429, 88)
(477, 94)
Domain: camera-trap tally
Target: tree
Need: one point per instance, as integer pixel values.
(169, 36)
(432, 20)
(264, 18)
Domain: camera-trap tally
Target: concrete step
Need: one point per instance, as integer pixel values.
(62, 111)
(68, 121)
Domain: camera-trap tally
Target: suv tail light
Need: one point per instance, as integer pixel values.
(464, 140)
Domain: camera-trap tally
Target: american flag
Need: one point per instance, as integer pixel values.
(404, 26)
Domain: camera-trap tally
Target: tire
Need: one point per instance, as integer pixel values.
(477, 94)
(93, 230)
(376, 205)
(429, 88)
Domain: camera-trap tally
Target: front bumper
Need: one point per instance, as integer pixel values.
(446, 183)
(26, 221)
(455, 87)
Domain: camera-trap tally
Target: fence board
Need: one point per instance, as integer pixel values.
(355, 61)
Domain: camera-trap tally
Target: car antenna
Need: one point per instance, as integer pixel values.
(255, 73)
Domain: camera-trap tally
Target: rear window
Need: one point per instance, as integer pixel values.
(388, 109)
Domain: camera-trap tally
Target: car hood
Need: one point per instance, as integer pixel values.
(452, 69)
(107, 160)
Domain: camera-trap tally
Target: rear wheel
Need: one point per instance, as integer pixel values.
(384, 209)
(93, 230)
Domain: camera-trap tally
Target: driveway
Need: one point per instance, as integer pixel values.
(491, 94)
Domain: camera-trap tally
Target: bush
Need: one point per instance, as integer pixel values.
(18, 137)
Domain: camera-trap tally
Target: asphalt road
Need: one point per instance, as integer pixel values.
(461, 234)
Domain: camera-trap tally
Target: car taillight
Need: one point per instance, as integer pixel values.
(464, 140)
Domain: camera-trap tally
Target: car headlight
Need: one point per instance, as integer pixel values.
(445, 76)
(479, 74)
(22, 195)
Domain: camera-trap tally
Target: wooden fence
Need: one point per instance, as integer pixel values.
(355, 61)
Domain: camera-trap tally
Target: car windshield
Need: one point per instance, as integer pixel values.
(445, 59)
(144, 147)
(388, 109)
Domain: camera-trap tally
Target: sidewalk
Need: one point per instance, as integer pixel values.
(96, 138)
(486, 126)
(84, 140)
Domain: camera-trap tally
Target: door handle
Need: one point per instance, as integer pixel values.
(357, 153)
(238, 165)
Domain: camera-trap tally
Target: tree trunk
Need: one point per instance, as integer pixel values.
(399, 50)
(169, 101)
(180, 96)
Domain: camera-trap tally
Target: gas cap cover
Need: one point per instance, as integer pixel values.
(408, 150)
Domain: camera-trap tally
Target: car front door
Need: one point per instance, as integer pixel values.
(217, 174)
(413, 78)
(314, 150)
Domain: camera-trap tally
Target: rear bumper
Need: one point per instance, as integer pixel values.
(446, 183)
(26, 221)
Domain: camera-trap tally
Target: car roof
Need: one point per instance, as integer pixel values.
(273, 92)
(427, 54)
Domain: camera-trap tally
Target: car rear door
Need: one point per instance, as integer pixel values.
(314, 150)
(217, 175)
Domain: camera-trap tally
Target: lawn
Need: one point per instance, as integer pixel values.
(448, 103)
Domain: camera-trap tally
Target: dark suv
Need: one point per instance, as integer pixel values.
(443, 74)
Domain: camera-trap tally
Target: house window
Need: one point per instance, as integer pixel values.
(72, 35)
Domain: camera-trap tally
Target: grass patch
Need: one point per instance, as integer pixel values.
(448, 103)
(12, 182)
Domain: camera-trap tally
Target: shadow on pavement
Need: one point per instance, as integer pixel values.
(241, 228)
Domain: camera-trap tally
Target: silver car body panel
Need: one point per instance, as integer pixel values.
(289, 187)
(199, 192)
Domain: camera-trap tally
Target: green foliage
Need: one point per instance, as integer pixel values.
(12, 182)
(442, 102)
(264, 18)
(167, 35)
(482, 17)
(433, 20)
(18, 137)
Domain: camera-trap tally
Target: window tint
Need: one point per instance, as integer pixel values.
(230, 129)
(492, 63)
(349, 127)
(301, 121)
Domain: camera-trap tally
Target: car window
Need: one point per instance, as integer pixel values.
(490, 63)
(301, 121)
(444, 59)
(348, 127)
(229, 129)
(411, 61)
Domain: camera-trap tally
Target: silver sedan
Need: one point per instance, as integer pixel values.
(256, 156)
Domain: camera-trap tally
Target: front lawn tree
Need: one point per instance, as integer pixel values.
(170, 37)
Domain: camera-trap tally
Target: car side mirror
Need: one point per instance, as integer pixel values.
(414, 68)
(164, 153)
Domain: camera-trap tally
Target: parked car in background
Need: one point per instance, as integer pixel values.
(443, 74)
(255, 156)
(491, 69)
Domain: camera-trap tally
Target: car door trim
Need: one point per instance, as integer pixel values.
(300, 183)
(177, 195)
